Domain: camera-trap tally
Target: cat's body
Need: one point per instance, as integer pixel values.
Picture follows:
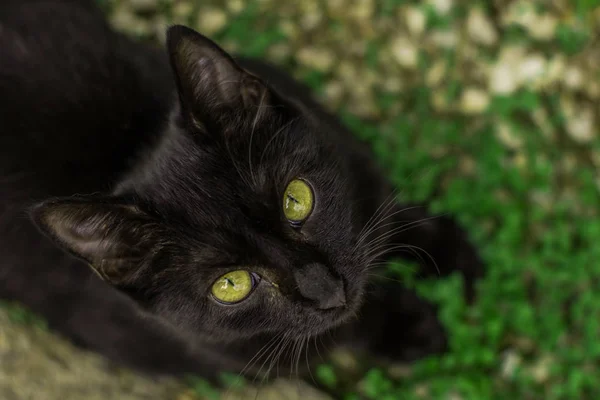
(91, 125)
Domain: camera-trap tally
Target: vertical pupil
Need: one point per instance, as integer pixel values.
(230, 281)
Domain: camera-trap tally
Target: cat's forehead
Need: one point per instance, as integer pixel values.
(197, 176)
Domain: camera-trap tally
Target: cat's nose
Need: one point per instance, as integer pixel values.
(315, 282)
(336, 299)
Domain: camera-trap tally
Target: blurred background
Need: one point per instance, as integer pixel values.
(485, 109)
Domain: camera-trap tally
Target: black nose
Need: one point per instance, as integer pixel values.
(318, 284)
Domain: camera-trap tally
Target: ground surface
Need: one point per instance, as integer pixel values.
(488, 109)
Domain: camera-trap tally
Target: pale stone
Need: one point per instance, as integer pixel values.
(441, 6)
(211, 20)
(278, 52)
(182, 10)
(480, 28)
(36, 364)
(334, 91)
(446, 39)
(125, 21)
(161, 25)
(580, 125)
(436, 73)
(573, 77)
(556, 69)
(520, 12)
(504, 76)
(532, 69)
(421, 390)
(467, 165)
(520, 160)
(347, 72)
(415, 20)
(542, 199)
(592, 89)
(308, 6)
(357, 48)
(541, 26)
(541, 371)
(312, 20)
(503, 79)
(236, 6)
(439, 100)
(289, 29)
(336, 7)
(544, 27)
(123, 18)
(405, 53)
(507, 136)
(363, 106)
(393, 84)
(474, 101)
(362, 10)
(317, 58)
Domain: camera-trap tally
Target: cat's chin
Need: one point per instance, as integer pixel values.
(321, 321)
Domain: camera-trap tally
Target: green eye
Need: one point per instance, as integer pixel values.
(297, 201)
(233, 287)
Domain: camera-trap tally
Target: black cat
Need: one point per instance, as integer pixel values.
(223, 210)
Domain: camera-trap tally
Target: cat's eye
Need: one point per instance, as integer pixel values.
(298, 200)
(234, 286)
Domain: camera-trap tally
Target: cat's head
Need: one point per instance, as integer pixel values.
(242, 221)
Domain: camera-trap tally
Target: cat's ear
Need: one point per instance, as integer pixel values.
(113, 237)
(212, 87)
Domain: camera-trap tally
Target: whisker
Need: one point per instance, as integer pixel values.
(270, 343)
(387, 235)
(302, 345)
(274, 355)
(256, 117)
(383, 249)
(293, 357)
(307, 361)
(282, 353)
(268, 358)
(413, 249)
(317, 349)
(380, 226)
(275, 361)
(386, 278)
(387, 201)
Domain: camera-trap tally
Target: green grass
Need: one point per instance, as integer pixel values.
(18, 314)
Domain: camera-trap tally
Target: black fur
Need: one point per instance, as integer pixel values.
(162, 171)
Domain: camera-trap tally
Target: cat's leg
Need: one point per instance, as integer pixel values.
(437, 243)
(89, 312)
